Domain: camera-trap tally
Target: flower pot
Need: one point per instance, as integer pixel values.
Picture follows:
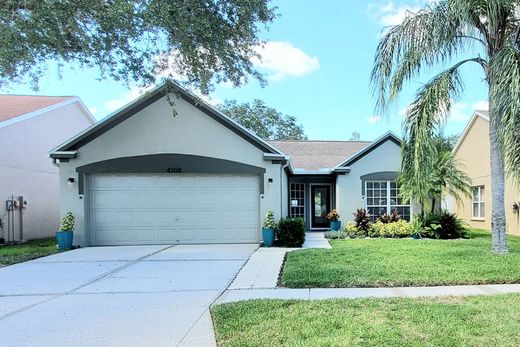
(64, 240)
(416, 236)
(268, 236)
(335, 225)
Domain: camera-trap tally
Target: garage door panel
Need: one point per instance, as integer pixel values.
(150, 209)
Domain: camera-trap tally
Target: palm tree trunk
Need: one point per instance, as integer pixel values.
(498, 213)
(433, 205)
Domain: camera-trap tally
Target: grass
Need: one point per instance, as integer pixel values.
(12, 254)
(402, 262)
(463, 321)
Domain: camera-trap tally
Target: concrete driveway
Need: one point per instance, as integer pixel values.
(117, 296)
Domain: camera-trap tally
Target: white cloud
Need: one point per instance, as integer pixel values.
(390, 14)
(458, 112)
(281, 59)
(374, 119)
(123, 99)
(481, 105)
(93, 110)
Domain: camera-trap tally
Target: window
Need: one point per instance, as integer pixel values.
(383, 197)
(479, 206)
(297, 201)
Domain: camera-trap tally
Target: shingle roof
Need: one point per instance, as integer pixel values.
(315, 155)
(12, 106)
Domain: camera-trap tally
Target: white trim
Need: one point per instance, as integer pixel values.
(311, 203)
(363, 150)
(479, 201)
(312, 172)
(43, 110)
(472, 120)
(388, 197)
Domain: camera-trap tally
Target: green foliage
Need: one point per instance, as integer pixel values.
(134, 41)
(32, 249)
(454, 33)
(362, 220)
(486, 320)
(291, 232)
(384, 262)
(389, 218)
(397, 229)
(67, 222)
(443, 225)
(263, 120)
(269, 222)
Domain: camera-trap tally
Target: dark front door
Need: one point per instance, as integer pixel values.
(320, 206)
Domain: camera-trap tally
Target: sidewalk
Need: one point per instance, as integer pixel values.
(353, 293)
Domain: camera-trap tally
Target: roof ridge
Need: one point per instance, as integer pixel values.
(359, 141)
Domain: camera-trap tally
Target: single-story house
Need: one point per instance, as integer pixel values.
(148, 175)
(29, 126)
(473, 150)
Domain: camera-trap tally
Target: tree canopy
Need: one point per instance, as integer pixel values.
(139, 41)
(263, 120)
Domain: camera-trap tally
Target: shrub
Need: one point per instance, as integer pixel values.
(291, 232)
(362, 220)
(389, 218)
(269, 222)
(67, 222)
(444, 225)
(398, 229)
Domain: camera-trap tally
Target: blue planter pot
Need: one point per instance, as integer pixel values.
(335, 225)
(64, 240)
(268, 237)
(416, 237)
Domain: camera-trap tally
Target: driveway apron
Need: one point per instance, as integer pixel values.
(116, 296)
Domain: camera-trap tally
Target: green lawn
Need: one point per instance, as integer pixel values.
(33, 249)
(470, 321)
(402, 262)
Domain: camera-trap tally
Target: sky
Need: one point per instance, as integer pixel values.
(317, 59)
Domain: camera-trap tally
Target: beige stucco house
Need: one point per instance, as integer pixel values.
(473, 150)
(29, 127)
(146, 176)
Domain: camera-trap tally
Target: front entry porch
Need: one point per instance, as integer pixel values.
(312, 197)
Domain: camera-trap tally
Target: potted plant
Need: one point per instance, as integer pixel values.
(65, 233)
(268, 229)
(333, 217)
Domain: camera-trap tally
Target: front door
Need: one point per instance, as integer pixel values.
(320, 206)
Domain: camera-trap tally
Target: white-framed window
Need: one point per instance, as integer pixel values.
(383, 197)
(479, 206)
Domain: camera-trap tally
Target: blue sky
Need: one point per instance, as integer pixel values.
(317, 60)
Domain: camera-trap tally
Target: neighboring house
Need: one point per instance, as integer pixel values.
(145, 176)
(473, 151)
(29, 127)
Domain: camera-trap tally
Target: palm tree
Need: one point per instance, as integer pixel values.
(457, 32)
(446, 177)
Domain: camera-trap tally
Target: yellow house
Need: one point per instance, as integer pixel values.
(472, 150)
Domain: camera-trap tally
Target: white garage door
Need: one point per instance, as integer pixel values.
(165, 209)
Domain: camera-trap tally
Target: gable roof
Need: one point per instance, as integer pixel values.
(147, 99)
(316, 155)
(12, 106)
(484, 114)
(389, 136)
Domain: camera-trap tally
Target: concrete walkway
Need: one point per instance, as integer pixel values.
(264, 266)
(117, 296)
